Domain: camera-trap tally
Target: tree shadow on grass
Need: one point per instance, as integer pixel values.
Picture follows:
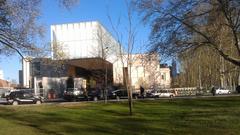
(35, 121)
(154, 118)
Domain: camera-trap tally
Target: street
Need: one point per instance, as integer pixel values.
(62, 101)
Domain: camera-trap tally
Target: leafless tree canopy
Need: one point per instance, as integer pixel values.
(19, 28)
(186, 25)
(68, 4)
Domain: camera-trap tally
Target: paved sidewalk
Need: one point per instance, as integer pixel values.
(3, 100)
(54, 100)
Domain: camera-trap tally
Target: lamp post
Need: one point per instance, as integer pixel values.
(106, 74)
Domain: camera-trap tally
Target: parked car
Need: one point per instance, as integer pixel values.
(6, 93)
(222, 91)
(23, 97)
(122, 93)
(160, 93)
(94, 95)
(74, 94)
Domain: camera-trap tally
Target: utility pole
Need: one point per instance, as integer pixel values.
(106, 74)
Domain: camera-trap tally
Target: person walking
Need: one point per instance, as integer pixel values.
(238, 89)
(142, 91)
(213, 91)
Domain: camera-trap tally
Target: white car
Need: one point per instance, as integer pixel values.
(162, 93)
(222, 91)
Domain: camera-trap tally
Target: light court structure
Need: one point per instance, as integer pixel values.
(90, 54)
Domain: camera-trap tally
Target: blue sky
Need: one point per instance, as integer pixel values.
(86, 10)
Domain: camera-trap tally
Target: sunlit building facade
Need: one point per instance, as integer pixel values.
(90, 54)
(142, 70)
(83, 40)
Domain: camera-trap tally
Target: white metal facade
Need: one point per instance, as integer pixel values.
(26, 73)
(92, 40)
(83, 40)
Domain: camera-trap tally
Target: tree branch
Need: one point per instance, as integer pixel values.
(10, 46)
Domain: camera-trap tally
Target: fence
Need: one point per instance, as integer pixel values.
(187, 91)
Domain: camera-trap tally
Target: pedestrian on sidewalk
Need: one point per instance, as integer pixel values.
(213, 91)
(142, 91)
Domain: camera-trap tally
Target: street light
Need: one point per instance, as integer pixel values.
(106, 73)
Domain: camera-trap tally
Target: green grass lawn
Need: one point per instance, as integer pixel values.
(215, 116)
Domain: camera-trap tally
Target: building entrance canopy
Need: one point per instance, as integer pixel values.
(91, 63)
(91, 69)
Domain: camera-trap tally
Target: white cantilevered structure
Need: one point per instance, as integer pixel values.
(83, 40)
(83, 45)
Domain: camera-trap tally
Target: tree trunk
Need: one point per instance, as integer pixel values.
(238, 78)
(130, 104)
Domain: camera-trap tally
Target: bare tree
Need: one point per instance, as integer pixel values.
(68, 4)
(180, 26)
(126, 57)
(104, 50)
(150, 64)
(206, 68)
(19, 28)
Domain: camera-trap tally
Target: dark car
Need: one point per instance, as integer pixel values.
(74, 94)
(122, 93)
(94, 95)
(23, 97)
